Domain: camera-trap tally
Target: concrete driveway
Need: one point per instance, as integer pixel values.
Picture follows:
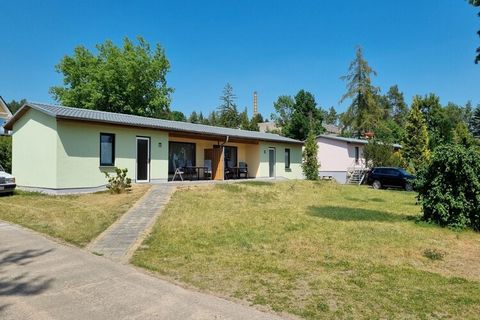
(42, 279)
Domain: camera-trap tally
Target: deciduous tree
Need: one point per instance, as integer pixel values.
(129, 79)
(297, 116)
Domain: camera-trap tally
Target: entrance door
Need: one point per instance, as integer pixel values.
(143, 159)
(271, 162)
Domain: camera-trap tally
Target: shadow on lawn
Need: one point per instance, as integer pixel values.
(354, 214)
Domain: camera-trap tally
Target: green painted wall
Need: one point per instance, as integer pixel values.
(78, 153)
(34, 148)
(64, 154)
(295, 171)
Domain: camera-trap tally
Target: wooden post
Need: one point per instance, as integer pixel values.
(218, 171)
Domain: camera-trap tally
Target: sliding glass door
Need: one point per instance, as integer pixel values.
(180, 154)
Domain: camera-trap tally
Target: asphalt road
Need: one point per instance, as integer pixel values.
(42, 279)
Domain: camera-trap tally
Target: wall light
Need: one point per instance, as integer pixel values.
(159, 144)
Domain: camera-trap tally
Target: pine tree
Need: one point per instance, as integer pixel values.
(193, 117)
(244, 121)
(310, 163)
(397, 108)
(331, 117)
(475, 123)
(228, 113)
(415, 144)
(202, 119)
(364, 112)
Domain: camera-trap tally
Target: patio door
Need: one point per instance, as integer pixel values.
(271, 162)
(143, 159)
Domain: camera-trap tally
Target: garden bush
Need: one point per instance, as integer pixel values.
(119, 183)
(449, 187)
(6, 153)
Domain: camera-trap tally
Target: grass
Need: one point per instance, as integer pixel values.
(77, 219)
(316, 250)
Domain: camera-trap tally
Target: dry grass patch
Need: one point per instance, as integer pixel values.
(317, 250)
(77, 219)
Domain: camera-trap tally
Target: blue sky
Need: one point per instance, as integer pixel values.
(273, 47)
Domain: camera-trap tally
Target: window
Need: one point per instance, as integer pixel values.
(287, 158)
(107, 149)
(180, 154)
(357, 155)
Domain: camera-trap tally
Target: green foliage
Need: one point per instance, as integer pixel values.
(14, 106)
(396, 108)
(177, 116)
(6, 152)
(462, 136)
(364, 112)
(476, 3)
(296, 116)
(119, 183)
(310, 163)
(129, 79)
(379, 153)
(449, 187)
(415, 145)
(213, 119)
(434, 254)
(228, 113)
(331, 116)
(389, 130)
(194, 118)
(475, 122)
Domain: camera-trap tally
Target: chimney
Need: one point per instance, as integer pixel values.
(255, 103)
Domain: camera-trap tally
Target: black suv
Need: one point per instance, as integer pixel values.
(383, 177)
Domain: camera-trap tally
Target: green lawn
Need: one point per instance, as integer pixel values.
(77, 219)
(317, 250)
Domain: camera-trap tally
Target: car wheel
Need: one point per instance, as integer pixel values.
(408, 187)
(377, 185)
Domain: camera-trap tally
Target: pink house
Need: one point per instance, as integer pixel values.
(338, 156)
(342, 158)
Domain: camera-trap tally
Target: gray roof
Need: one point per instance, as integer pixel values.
(60, 112)
(350, 140)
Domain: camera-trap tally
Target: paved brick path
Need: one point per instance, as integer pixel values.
(120, 240)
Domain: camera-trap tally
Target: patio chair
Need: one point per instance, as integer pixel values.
(178, 170)
(229, 171)
(189, 170)
(242, 169)
(208, 168)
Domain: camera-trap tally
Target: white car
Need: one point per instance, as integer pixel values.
(7, 182)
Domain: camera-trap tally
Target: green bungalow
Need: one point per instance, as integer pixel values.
(65, 150)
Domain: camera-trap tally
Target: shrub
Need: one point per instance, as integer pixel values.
(449, 187)
(382, 154)
(119, 183)
(310, 163)
(434, 254)
(6, 153)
